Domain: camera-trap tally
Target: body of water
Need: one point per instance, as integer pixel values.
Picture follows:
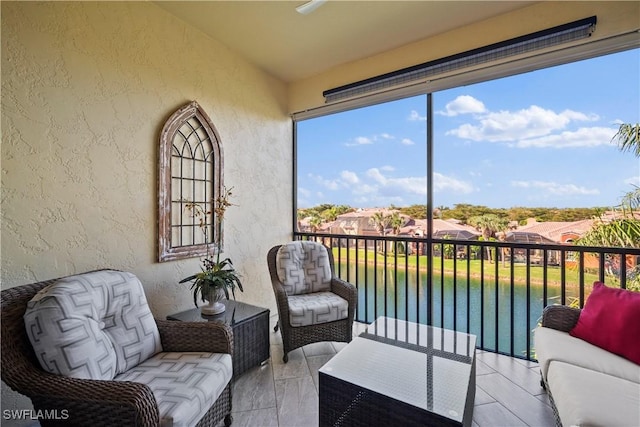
(489, 310)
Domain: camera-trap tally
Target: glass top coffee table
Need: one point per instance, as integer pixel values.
(400, 373)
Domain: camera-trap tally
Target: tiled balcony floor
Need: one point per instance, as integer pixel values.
(508, 390)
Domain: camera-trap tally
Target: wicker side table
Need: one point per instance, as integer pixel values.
(250, 326)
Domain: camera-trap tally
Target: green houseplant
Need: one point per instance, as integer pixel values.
(217, 277)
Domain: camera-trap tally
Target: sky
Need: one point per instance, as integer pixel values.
(539, 139)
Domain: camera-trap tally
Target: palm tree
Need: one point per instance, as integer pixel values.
(315, 222)
(489, 225)
(628, 138)
(396, 222)
(330, 214)
(380, 221)
(623, 231)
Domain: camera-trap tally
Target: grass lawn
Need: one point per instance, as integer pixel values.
(536, 272)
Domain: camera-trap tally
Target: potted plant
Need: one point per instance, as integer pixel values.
(217, 277)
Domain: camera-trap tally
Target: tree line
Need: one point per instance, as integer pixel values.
(463, 212)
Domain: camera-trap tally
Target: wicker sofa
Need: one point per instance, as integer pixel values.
(587, 385)
(119, 401)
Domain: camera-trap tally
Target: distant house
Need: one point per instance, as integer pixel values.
(449, 227)
(360, 223)
(442, 229)
(558, 232)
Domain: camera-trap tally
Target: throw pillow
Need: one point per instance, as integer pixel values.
(93, 326)
(303, 267)
(610, 320)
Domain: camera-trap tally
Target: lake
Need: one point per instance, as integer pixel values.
(485, 305)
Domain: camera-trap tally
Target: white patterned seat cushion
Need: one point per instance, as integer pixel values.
(303, 267)
(92, 326)
(316, 308)
(185, 385)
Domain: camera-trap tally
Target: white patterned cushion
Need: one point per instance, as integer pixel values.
(92, 326)
(316, 308)
(303, 267)
(185, 385)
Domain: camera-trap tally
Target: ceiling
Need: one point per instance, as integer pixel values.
(292, 46)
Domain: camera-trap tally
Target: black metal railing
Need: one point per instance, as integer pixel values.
(495, 290)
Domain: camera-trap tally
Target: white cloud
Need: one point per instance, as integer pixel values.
(374, 173)
(583, 137)
(509, 126)
(359, 140)
(330, 184)
(407, 141)
(412, 185)
(464, 104)
(303, 192)
(364, 189)
(418, 185)
(446, 183)
(365, 140)
(303, 197)
(555, 188)
(378, 187)
(349, 177)
(383, 189)
(634, 180)
(414, 116)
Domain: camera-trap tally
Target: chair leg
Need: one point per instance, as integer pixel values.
(276, 327)
(285, 358)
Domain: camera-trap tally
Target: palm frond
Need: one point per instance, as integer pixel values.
(628, 138)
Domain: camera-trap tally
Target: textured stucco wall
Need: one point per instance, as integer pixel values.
(86, 88)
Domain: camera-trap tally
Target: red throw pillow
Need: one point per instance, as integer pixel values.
(610, 320)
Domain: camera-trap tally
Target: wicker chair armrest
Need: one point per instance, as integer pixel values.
(281, 300)
(345, 289)
(560, 317)
(278, 288)
(94, 402)
(195, 336)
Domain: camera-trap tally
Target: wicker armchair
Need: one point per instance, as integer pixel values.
(83, 402)
(297, 336)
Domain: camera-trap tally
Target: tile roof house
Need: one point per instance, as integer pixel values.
(559, 232)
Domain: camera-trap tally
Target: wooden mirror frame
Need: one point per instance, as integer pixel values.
(171, 201)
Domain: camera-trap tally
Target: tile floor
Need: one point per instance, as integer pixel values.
(508, 391)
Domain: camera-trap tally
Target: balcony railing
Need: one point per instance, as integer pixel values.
(495, 290)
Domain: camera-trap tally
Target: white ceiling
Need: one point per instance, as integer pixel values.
(291, 46)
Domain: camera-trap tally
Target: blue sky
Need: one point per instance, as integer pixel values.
(540, 139)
